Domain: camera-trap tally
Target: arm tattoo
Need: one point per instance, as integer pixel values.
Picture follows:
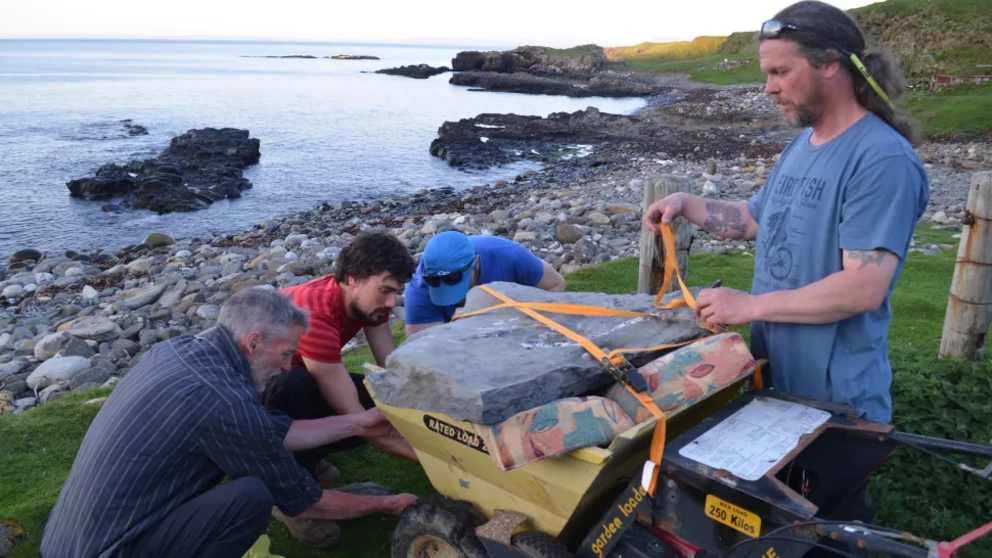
(724, 219)
(866, 257)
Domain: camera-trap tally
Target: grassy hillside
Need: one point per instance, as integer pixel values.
(700, 46)
(928, 36)
(932, 36)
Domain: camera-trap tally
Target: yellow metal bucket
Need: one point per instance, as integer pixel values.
(560, 496)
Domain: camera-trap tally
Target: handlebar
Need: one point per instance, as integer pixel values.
(864, 538)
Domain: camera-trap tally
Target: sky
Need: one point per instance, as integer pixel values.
(435, 22)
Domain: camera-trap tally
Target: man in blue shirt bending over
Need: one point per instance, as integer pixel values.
(453, 263)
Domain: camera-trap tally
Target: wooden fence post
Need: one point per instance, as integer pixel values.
(969, 306)
(652, 263)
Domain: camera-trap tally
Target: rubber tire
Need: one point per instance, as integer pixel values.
(536, 544)
(452, 521)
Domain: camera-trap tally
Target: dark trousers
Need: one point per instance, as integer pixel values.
(297, 394)
(223, 522)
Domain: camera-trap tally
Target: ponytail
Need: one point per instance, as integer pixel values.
(882, 67)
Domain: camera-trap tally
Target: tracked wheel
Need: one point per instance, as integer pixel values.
(437, 527)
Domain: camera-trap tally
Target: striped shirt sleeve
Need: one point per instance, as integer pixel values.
(244, 440)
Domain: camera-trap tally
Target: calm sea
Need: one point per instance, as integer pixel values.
(328, 131)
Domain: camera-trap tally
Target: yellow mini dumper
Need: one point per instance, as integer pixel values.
(592, 501)
(743, 473)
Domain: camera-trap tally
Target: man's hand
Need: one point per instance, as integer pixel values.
(400, 502)
(724, 306)
(665, 210)
(373, 424)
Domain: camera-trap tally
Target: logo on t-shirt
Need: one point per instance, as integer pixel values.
(792, 201)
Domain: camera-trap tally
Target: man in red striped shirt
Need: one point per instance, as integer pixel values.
(368, 274)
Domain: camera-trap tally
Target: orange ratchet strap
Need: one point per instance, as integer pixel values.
(614, 361)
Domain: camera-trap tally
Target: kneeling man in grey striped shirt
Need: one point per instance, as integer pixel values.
(147, 480)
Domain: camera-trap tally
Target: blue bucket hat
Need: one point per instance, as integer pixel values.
(447, 265)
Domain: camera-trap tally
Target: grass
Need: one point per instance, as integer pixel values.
(964, 109)
(700, 46)
(576, 51)
(39, 445)
(959, 9)
(927, 36)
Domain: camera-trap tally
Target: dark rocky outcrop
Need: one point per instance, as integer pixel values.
(197, 169)
(134, 129)
(522, 82)
(575, 72)
(416, 71)
(495, 139)
(582, 61)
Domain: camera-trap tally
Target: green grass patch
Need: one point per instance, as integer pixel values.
(959, 9)
(577, 51)
(748, 73)
(965, 109)
(700, 46)
(931, 396)
(702, 68)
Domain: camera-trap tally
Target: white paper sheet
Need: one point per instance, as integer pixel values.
(755, 438)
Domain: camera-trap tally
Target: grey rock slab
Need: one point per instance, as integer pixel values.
(132, 299)
(97, 329)
(488, 367)
(59, 369)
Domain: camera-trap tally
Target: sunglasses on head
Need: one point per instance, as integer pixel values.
(773, 29)
(448, 277)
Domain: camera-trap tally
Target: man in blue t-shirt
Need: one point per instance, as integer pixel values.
(833, 223)
(453, 263)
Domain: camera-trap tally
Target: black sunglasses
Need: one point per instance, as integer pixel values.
(773, 29)
(449, 277)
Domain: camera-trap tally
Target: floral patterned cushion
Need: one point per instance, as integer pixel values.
(553, 429)
(682, 377)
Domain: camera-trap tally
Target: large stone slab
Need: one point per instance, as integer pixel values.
(489, 367)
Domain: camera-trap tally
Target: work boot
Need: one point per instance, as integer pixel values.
(327, 475)
(318, 533)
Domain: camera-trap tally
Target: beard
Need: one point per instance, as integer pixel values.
(375, 317)
(262, 375)
(804, 118)
(809, 111)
